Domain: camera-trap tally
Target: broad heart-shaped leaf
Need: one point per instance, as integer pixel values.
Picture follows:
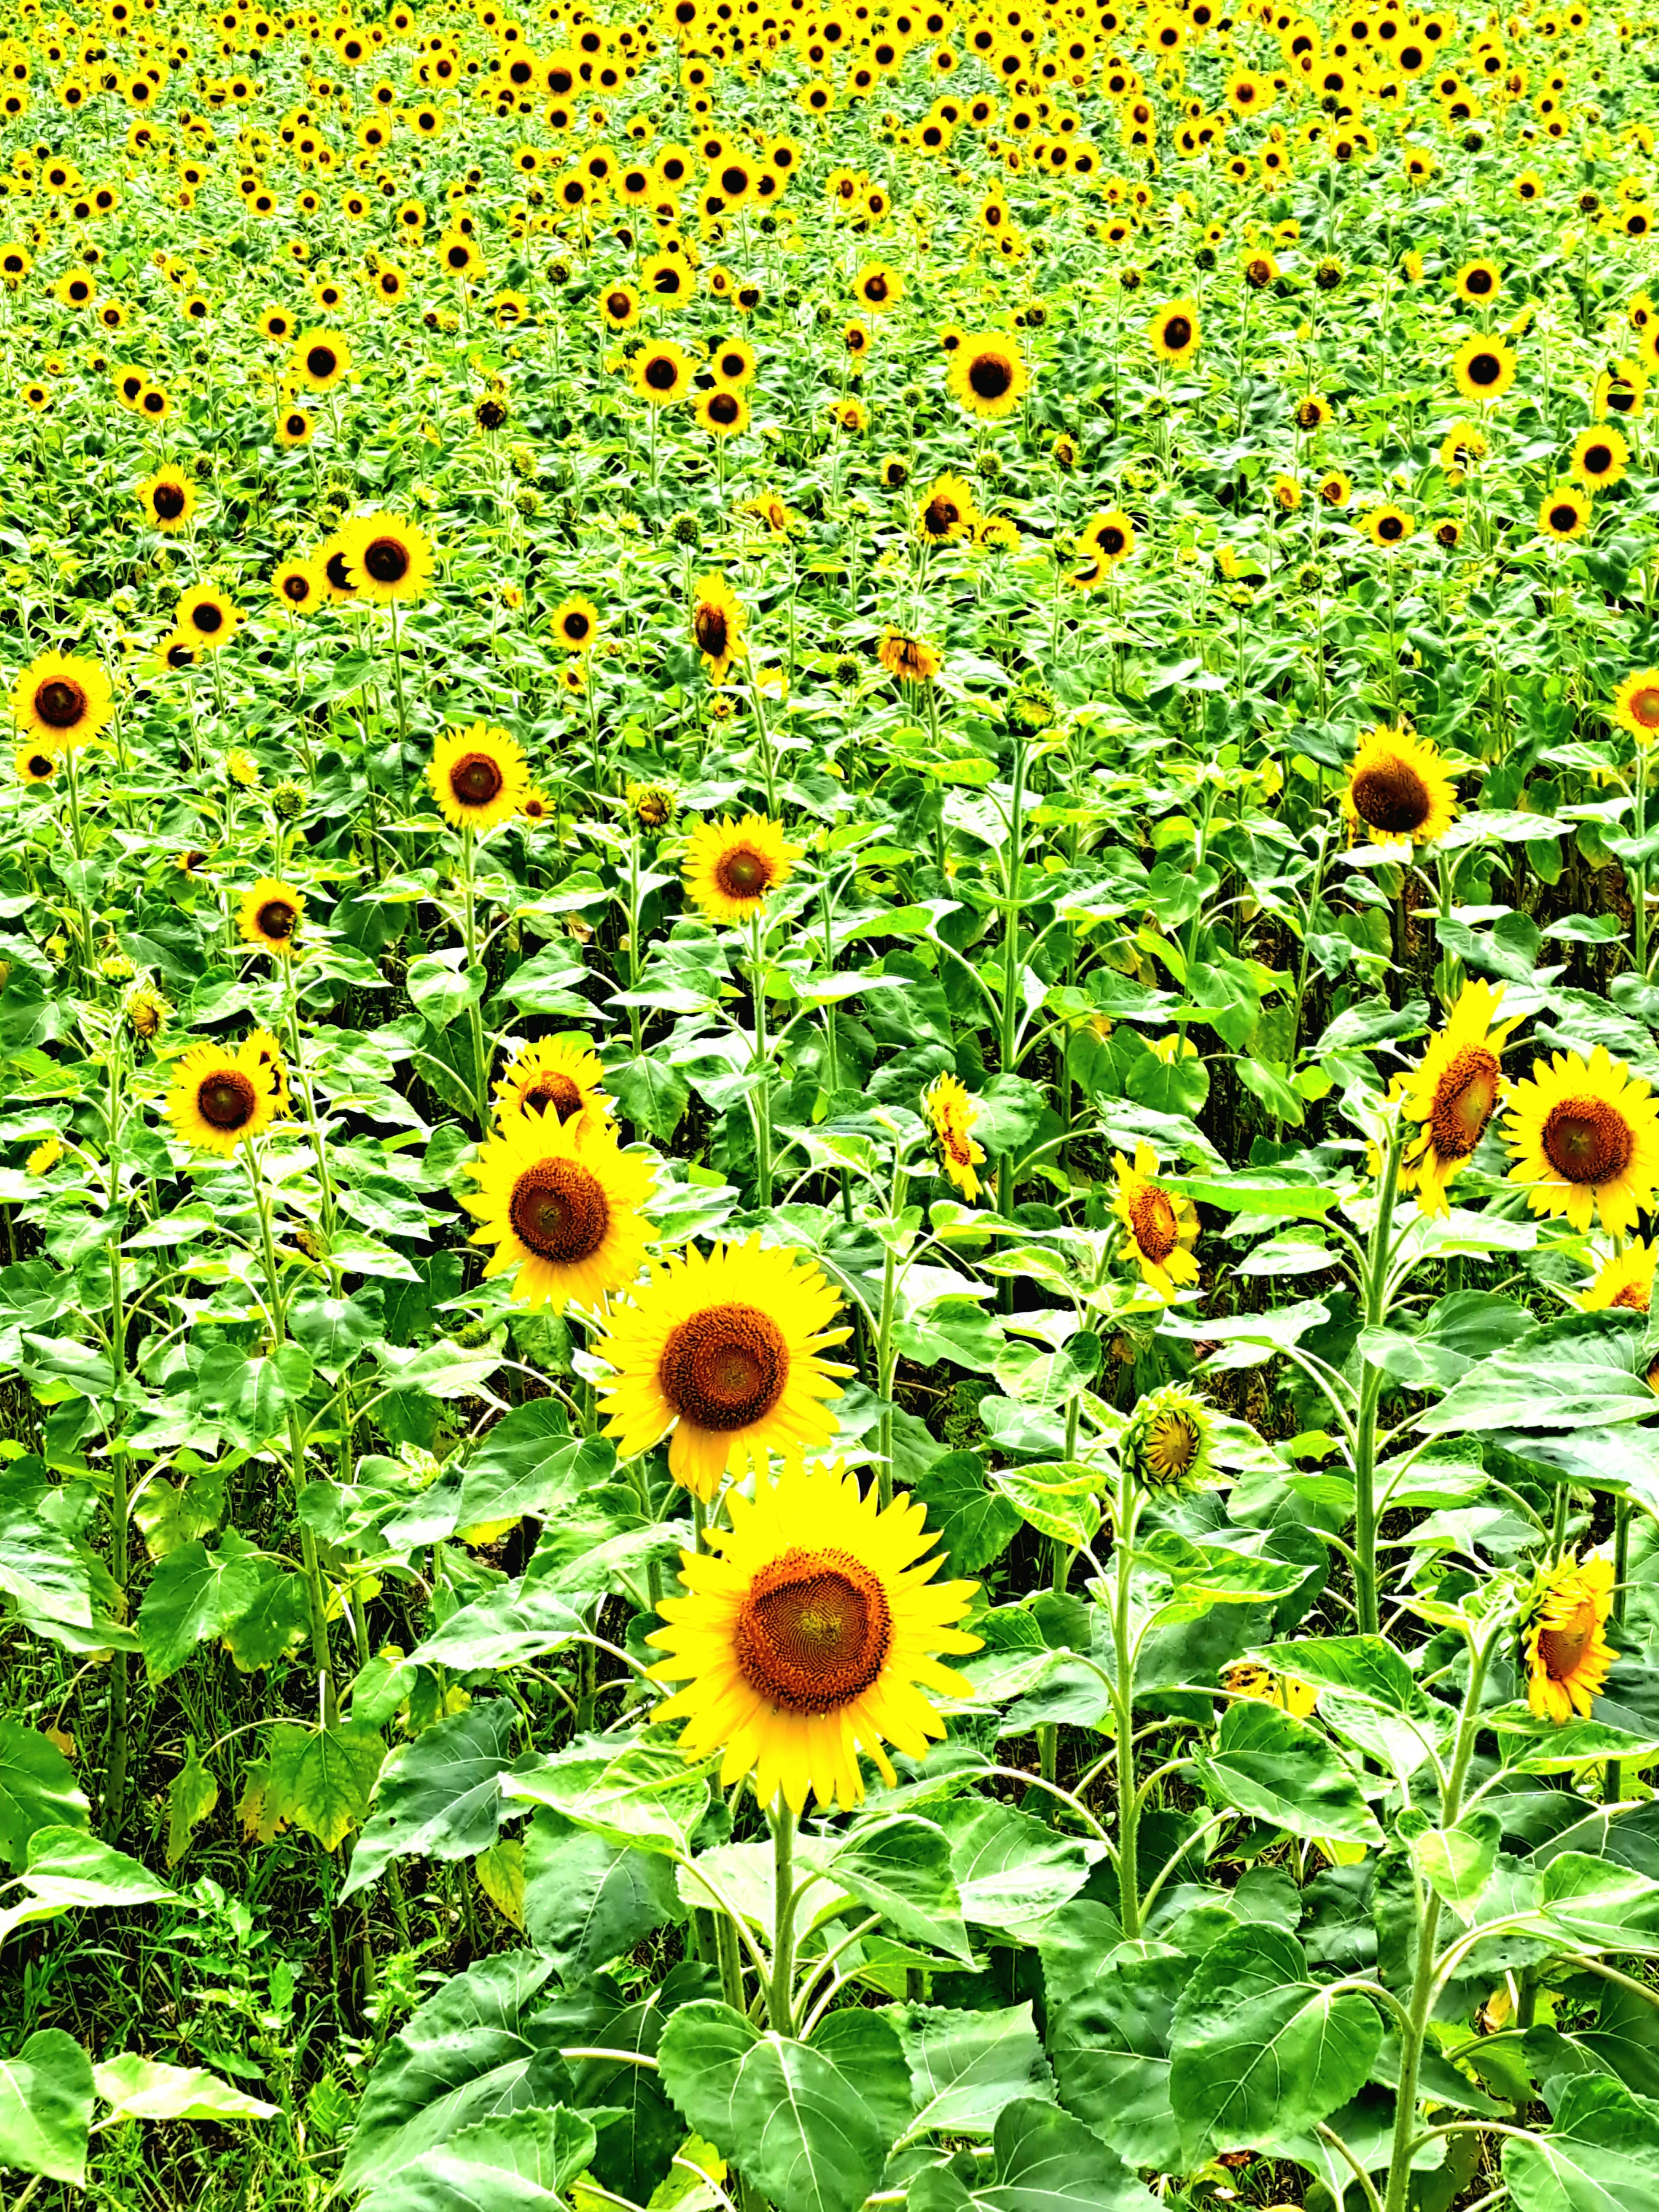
(45, 2107)
(1277, 1768)
(974, 1522)
(1012, 1870)
(1457, 1862)
(901, 1868)
(474, 2051)
(1043, 2160)
(1111, 2046)
(1259, 2052)
(321, 1778)
(782, 2113)
(638, 2126)
(1366, 1667)
(1057, 1499)
(586, 1901)
(1594, 1906)
(507, 1627)
(441, 1795)
(146, 2089)
(1600, 2155)
(965, 2066)
(519, 2164)
(643, 1794)
(68, 1868)
(193, 1595)
(1584, 1370)
(38, 1790)
(529, 1462)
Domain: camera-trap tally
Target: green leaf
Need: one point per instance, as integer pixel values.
(974, 1522)
(191, 1796)
(1012, 1870)
(529, 1462)
(1259, 2052)
(509, 1625)
(522, 2163)
(966, 2067)
(441, 989)
(1364, 1667)
(68, 1868)
(1584, 1370)
(645, 1794)
(1458, 1862)
(1600, 2155)
(38, 1790)
(1265, 1081)
(1260, 1193)
(45, 2107)
(192, 1595)
(322, 1778)
(901, 1868)
(1596, 1906)
(440, 1794)
(652, 1092)
(1044, 2162)
(780, 2111)
(1110, 2045)
(1056, 1499)
(586, 1900)
(1277, 1768)
(146, 2089)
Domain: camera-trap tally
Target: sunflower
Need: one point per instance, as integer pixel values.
(219, 1096)
(878, 287)
(1453, 1093)
(390, 560)
(1247, 1678)
(62, 700)
(718, 616)
(1623, 1280)
(1483, 368)
(733, 362)
(478, 776)
(206, 617)
(732, 867)
(1478, 281)
(270, 915)
(951, 1113)
(294, 428)
(1584, 1137)
(1161, 1225)
(575, 625)
(909, 659)
(661, 373)
(46, 1156)
(1599, 456)
(557, 1075)
(620, 305)
(1335, 488)
(808, 1634)
(948, 509)
(1398, 789)
(1636, 705)
(1567, 1657)
(1176, 331)
(1165, 1443)
(321, 360)
(1386, 525)
(1565, 513)
(168, 499)
(34, 762)
(1111, 535)
(723, 411)
(988, 375)
(300, 587)
(562, 1208)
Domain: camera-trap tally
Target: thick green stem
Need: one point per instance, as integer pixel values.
(779, 2007)
(475, 1009)
(764, 1067)
(1621, 1519)
(1374, 1292)
(1123, 1703)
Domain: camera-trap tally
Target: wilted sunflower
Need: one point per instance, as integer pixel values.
(168, 499)
(1452, 1094)
(575, 625)
(62, 700)
(948, 509)
(909, 659)
(207, 617)
(1584, 1137)
(561, 1205)
(727, 1349)
(731, 868)
(988, 375)
(559, 1076)
(270, 915)
(321, 359)
(218, 1097)
(1567, 1657)
(808, 1635)
(390, 559)
(718, 617)
(1483, 368)
(478, 776)
(1176, 331)
(1636, 705)
(951, 1112)
(1163, 1226)
(1165, 1445)
(1398, 789)
(1565, 513)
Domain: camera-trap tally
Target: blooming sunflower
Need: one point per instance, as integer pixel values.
(1623, 1280)
(267, 1050)
(1483, 367)
(718, 617)
(558, 1075)
(1584, 1137)
(1601, 456)
(1163, 1226)
(988, 375)
(1176, 331)
(1636, 705)
(1165, 1443)
(661, 373)
(1565, 513)
(1398, 789)
(1453, 1093)
(207, 617)
(1478, 281)
(909, 659)
(35, 762)
(948, 510)
(389, 559)
(951, 1113)
(723, 411)
(732, 867)
(727, 1349)
(1386, 526)
(1567, 1657)
(270, 915)
(478, 776)
(294, 428)
(1111, 535)
(562, 1208)
(808, 1635)
(168, 499)
(62, 700)
(878, 287)
(300, 587)
(575, 625)
(321, 359)
(218, 1097)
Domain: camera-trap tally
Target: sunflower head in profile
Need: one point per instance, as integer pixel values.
(1313, 412)
(270, 914)
(1165, 1445)
(1623, 1282)
(478, 776)
(321, 360)
(988, 375)
(1176, 331)
(731, 868)
(909, 659)
(952, 1111)
(1585, 1138)
(727, 1349)
(1397, 787)
(717, 618)
(1161, 1225)
(575, 625)
(808, 1635)
(1636, 705)
(560, 1076)
(1483, 367)
(1565, 513)
(1567, 1656)
(1452, 1094)
(298, 586)
(206, 617)
(267, 1049)
(948, 510)
(390, 559)
(168, 499)
(218, 1097)
(62, 700)
(1335, 488)
(561, 1204)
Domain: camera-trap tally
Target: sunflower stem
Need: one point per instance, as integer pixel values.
(779, 2008)
(1123, 1644)
(1621, 1519)
(764, 1092)
(474, 1013)
(1374, 1296)
(115, 1790)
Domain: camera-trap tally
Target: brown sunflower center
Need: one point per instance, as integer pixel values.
(712, 628)
(813, 1631)
(551, 1088)
(875, 289)
(1484, 369)
(169, 500)
(41, 765)
(321, 361)
(1480, 283)
(227, 1099)
(1633, 1299)
(387, 560)
(1562, 1649)
(276, 918)
(1598, 459)
(619, 305)
(724, 1367)
(209, 617)
(660, 372)
(1463, 1102)
(742, 873)
(296, 589)
(60, 703)
(477, 779)
(1587, 1141)
(560, 1210)
(1111, 541)
(1157, 1231)
(1390, 795)
(575, 625)
(990, 376)
(1177, 334)
(1389, 528)
(1562, 517)
(723, 408)
(1645, 706)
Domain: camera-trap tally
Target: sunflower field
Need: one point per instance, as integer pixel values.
(828, 1107)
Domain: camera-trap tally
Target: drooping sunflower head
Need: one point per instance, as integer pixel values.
(948, 509)
(1636, 705)
(988, 375)
(1162, 1224)
(270, 914)
(168, 499)
(1453, 1093)
(717, 618)
(809, 1634)
(218, 1097)
(561, 1204)
(911, 660)
(478, 776)
(1165, 1445)
(207, 617)
(560, 1076)
(1398, 789)
(727, 1349)
(731, 868)
(951, 1112)
(1566, 1654)
(1585, 1138)
(390, 560)
(62, 700)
